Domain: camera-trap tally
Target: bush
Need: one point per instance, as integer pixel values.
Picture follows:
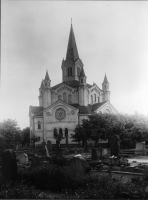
(54, 178)
(9, 190)
(75, 186)
(106, 187)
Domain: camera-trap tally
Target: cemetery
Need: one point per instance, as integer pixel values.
(48, 172)
(82, 170)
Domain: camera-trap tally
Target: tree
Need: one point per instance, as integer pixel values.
(82, 133)
(130, 129)
(25, 136)
(11, 132)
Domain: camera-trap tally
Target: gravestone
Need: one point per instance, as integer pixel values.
(79, 165)
(49, 146)
(43, 149)
(23, 158)
(104, 152)
(9, 165)
(115, 146)
(94, 154)
(140, 148)
(35, 161)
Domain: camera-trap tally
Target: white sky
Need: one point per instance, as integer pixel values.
(111, 37)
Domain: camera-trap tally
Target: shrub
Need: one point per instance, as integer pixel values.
(106, 187)
(54, 178)
(8, 190)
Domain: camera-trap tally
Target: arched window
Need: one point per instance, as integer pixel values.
(70, 99)
(61, 132)
(55, 133)
(69, 71)
(81, 80)
(39, 125)
(59, 97)
(95, 97)
(78, 71)
(66, 132)
(98, 99)
(91, 99)
(64, 97)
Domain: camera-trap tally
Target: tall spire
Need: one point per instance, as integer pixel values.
(105, 79)
(47, 76)
(72, 52)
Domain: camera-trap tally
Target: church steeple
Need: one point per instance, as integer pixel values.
(72, 52)
(105, 79)
(72, 65)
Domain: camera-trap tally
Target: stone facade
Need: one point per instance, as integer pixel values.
(64, 105)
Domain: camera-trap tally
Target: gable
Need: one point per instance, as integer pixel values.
(69, 112)
(104, 107)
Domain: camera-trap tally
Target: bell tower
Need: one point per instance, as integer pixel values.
(72, 64)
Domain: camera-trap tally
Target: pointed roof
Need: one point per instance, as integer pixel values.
(42, 85)
(82, 73)
(47, 76)
(105, 79)
(72, 52)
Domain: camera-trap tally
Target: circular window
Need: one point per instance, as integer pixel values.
(60, 114)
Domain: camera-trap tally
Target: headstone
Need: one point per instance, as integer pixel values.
(104, 152)
(115, 146)
(140, 148)
(9, 165)
(94, 154)
(43, 149)
(49, 146)
(35, 161)
(23, 158)
(79, 165)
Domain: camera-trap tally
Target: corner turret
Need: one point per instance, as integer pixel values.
(105, 88)
(45, 92)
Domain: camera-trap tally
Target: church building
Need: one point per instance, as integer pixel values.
(64, 105)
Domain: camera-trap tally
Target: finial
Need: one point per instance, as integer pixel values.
(71, 21)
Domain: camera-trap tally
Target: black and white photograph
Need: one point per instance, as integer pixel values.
(74, 100)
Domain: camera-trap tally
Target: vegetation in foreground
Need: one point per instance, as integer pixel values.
(37, 182)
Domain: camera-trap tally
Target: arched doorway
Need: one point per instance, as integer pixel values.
(66, 137)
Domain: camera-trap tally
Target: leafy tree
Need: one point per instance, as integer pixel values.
(11, 132)
(25, 136)
(130, 128)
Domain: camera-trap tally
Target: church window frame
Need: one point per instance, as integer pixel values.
(61, 132)
(78, 71)
(69, 71)
(91, 99)
(95, 97)
(98, 99)
(55, 132)
(39, 125)
(69, 98)
(64, 97)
